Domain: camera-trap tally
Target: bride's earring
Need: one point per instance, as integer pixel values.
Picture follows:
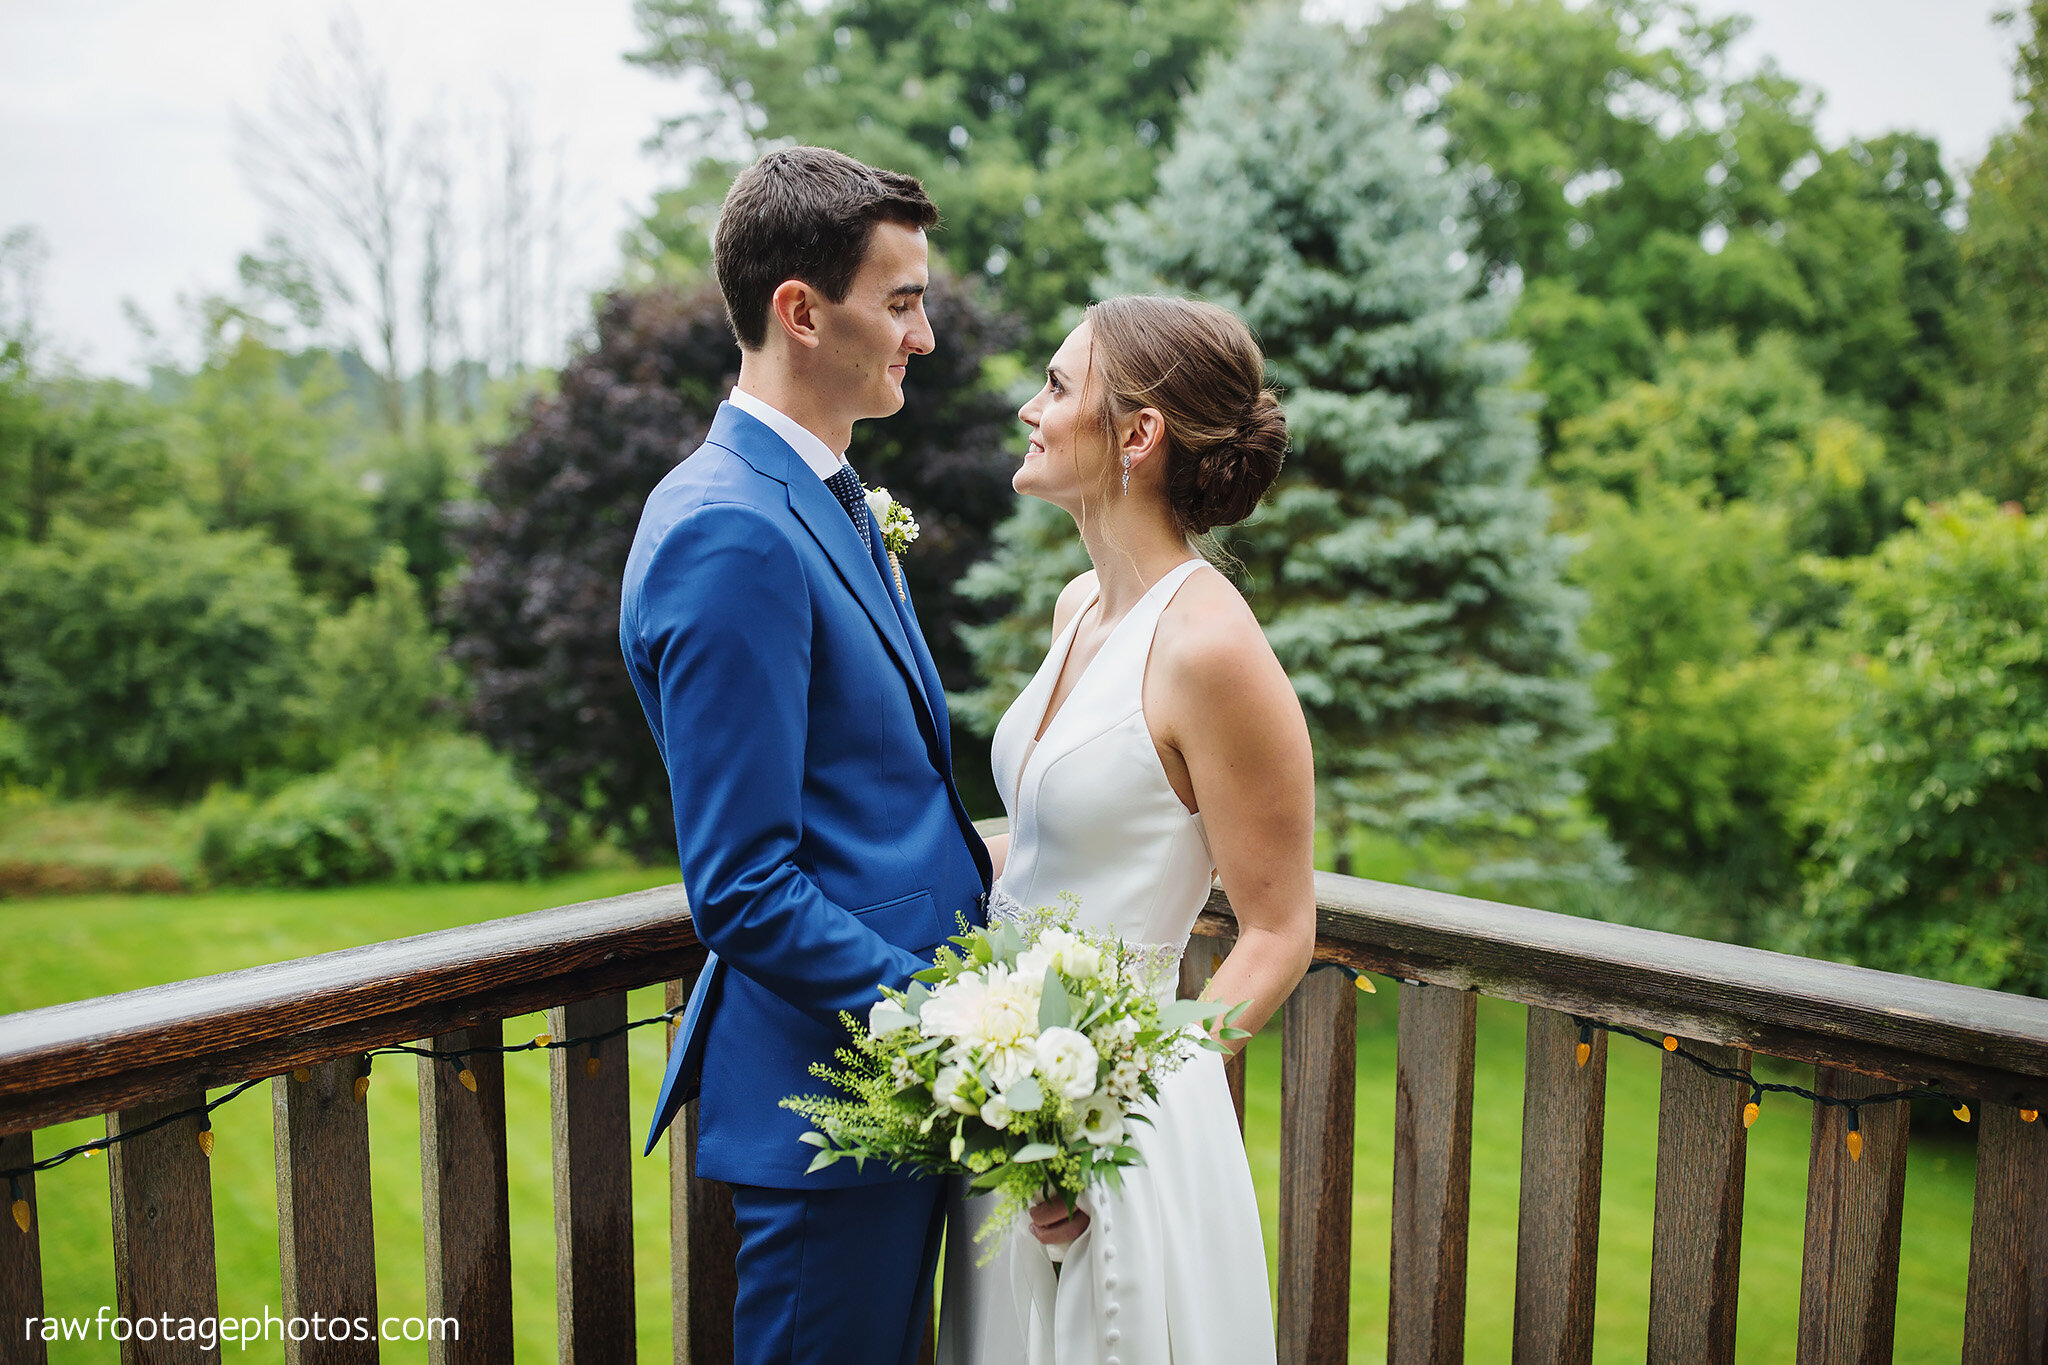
(1127, 473)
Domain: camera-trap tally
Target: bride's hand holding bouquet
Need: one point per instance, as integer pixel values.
(1020, 1060)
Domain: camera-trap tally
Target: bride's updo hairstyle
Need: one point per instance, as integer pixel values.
(1201, 368)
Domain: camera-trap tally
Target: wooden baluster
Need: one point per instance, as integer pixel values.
(325, 1245)
(162, 1190)
(1557, 1247)
(1849, 1292)
(2006, 1322)
(703, 1240)
(1318, 1115)
(1432, 1175)
(593, 1186)
(1203, 956)
(1696, 1244)
(21, 1260)
(465, 1200)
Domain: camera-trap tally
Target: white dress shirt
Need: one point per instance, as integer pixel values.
(823, 460)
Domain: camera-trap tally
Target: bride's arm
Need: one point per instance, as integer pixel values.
(1234, 719)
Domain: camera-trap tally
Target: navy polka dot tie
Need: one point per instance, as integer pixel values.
(845, 485)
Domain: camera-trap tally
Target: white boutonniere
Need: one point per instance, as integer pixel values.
(899, 529)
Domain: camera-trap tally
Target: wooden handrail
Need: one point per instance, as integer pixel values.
(115, 1051)
(90, 1056)
(147, 1052)
(1975, 1043)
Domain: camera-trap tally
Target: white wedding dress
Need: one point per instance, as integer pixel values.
(1172, 1271)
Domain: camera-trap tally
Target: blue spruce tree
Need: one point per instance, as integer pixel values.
(1403, 566)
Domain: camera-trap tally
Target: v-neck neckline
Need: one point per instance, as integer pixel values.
(1047, 716)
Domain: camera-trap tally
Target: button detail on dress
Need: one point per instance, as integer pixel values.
(1112, 1336)
(1109, 1282)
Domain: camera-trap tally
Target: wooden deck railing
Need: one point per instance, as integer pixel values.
(139, 1056)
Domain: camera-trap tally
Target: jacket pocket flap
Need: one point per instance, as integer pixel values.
(910, 922)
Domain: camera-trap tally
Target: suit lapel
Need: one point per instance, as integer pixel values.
(821, 515)
(927, 671)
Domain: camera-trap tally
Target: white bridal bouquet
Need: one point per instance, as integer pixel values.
(1020, 1060)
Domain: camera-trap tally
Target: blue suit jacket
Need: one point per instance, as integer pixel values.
(821, 839)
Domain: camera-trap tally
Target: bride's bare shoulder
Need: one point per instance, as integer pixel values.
(1210, 643)
(1072, 598)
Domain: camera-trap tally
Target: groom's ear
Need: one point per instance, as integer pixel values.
(794, 307)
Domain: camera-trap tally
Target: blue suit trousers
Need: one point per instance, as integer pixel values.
(836, 1277)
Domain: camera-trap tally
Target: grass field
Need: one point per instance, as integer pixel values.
(66, 948)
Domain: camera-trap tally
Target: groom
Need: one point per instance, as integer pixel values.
(822, 842)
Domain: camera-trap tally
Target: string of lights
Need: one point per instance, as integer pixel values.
(1853, 1105)
(457, 1058)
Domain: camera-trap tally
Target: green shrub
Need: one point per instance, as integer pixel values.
(1935, 859)
(156, 654)
(1717, 731)
(441, 811)
(378, 674)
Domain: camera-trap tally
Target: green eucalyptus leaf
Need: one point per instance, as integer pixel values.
(1054, 1009)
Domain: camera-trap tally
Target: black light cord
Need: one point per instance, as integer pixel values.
(459, 1059)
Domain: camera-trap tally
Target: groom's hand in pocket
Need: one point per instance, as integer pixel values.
(1055, 1223)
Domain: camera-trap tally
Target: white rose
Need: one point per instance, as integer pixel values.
(1083, 961)
(947, 1088)
(1100, 1120)
(878, 503)
(1067, 1062)
(1033, 962)
(888, 1017)
(995, 1113)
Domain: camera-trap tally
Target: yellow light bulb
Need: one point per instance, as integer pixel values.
(1855, 1145)
(1670, 1043)
(2029, 1115)
(543, 1039)
(1582, 1052)
(590, 1066)
(1962, 1111)
(1749, 1113)
(206, 1141)
(1365, 984)
(22, 1216)
(302, 1074)
(362, 1088)
(468, 1079)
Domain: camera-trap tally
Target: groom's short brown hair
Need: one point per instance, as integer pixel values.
(803, 213)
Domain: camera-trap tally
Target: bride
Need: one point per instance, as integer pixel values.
(1160, 744)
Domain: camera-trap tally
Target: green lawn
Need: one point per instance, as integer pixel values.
(64, 949)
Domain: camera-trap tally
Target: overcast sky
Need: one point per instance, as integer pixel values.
(117, 134)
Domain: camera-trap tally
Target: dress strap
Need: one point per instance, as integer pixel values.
(1162, 594)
